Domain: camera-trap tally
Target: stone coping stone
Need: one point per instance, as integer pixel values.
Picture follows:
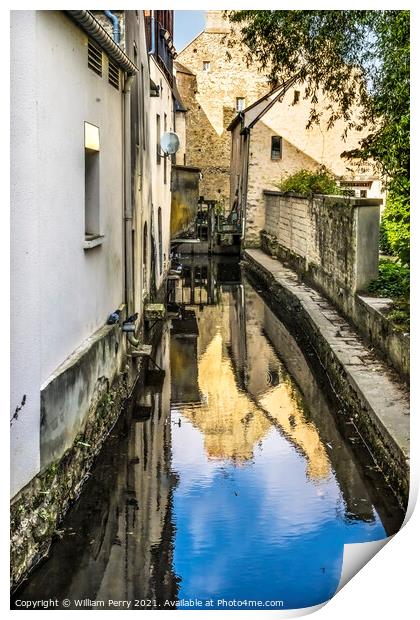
(384, 396)
(338, 199)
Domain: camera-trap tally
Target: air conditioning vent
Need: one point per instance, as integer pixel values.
(95, 58)
(113, 74)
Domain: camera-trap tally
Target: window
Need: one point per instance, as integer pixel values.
(363, 193)
(160, 239)
(206, 65)
(92, 222)
(94, 58)
(276, 147)
(296, 96)
(240, 104)
(113, 74)
(158, 155)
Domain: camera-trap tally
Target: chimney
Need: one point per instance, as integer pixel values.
(215, 22)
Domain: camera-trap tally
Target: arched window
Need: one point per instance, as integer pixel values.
(160, 240)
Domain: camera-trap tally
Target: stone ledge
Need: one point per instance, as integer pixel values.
(378, 402)
(328, 198)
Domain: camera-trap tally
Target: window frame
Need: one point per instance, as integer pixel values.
(240, 109)
(278, 150)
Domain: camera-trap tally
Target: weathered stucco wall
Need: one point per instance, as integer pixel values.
(332, 242)
(184, 199)
(54, 309)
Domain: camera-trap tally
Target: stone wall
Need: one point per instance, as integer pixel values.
(372, 403)
(332, 242)
(210, 98)
(333, 239)
(264, 173)
(79, 405)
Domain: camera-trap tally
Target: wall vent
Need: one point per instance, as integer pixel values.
(95, 58)
(113, 74)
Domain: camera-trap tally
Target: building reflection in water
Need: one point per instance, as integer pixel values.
(234, 416)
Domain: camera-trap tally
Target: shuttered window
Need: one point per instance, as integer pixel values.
(113, 74)
(94, 58)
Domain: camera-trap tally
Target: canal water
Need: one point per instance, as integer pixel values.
(243, 484)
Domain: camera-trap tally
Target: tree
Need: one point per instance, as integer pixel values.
(360, 60)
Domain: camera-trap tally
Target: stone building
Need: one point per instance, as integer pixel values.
(215, 82)
(271, 141)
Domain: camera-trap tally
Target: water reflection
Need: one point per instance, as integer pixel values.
(269, 488)
(241, 485)
(117, 541)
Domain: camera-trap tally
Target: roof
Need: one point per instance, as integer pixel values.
(179, 105)
(93, 28)
(252, 114)
(182, 69)
(192, 41)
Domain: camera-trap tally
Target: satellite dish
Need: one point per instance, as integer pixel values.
(169, 143)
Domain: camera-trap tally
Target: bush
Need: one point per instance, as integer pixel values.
(306, 182)
(384, 245)
(396, 224)
(393, 281)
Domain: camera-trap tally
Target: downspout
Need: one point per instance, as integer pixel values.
(245, 184)
(115, 25)
(128, 206)
(153, 33)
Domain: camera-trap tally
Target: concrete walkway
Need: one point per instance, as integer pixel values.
(378, 401)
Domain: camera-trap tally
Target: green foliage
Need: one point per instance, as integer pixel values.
(307, 182)
(396, 224)
(384, 245)
(393, 281)
(360, 60)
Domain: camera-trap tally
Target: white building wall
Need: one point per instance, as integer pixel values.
(161, 192)
(142, 177)
(25, 261)
(61, 292)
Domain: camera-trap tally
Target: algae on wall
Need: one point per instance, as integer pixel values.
(39, 508)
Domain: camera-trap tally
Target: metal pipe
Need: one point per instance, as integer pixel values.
(116, 26)
(132, 340)
(153, 33)
(128, 207)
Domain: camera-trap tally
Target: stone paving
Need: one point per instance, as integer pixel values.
(384, 396)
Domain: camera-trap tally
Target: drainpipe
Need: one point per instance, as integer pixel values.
(128, 206)
(245, 184)
(153, 33)
(116, 26)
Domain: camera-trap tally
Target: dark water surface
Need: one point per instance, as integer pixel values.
(244, 484)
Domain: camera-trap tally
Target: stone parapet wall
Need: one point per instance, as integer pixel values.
(332, 243)
(339, 236)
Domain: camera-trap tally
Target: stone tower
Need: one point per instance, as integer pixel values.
(216, 22)
(215, 81)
